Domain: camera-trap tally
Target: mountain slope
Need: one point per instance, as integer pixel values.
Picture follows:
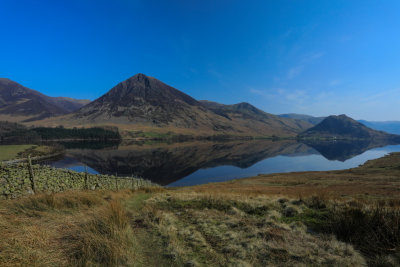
(247, 112)
(20, 103)
(145, 102)
(343, 127)
(68, 104)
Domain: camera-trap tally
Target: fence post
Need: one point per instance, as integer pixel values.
(31, 176)
(86, 178)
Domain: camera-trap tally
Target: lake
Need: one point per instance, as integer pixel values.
(192, 163)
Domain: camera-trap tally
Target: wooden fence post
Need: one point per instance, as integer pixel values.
(86, 178)
(31, 176)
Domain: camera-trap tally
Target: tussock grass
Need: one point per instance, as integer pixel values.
(66, 229)
(105, 239)
(35, 204)
(234, 230)
(373, 229)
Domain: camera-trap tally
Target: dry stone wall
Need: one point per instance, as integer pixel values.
(15, 180)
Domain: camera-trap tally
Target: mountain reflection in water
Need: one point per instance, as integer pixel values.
(166, 163)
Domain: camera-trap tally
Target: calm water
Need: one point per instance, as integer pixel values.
(191, 163)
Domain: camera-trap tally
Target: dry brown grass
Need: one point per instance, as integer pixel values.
(236, 230)
(65, 229)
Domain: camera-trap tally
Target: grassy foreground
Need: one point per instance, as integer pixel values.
(248, 222)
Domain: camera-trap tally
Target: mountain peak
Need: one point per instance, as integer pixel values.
(139, 77)
(142, 99)
(244, 104)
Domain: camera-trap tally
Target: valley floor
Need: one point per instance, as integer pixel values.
(338, 218)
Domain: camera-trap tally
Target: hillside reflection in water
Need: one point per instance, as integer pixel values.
(190, 163)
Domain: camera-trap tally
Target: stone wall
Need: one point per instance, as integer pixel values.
(15, 180)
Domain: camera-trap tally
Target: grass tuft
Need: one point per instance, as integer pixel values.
(103, 240)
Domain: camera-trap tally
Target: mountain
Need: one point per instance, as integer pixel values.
(143, 102)
(311, 119)
(143, 99)
(18, 103)
(387, 126)
(343, 127)
(392, 127)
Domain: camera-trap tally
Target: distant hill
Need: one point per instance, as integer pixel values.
(392, 127)
(343, 127)
(143, 102)
(311, 119)
(18, 103)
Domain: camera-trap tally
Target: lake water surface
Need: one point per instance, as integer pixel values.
(191, 163)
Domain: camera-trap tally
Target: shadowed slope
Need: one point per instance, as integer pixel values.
(21, 103)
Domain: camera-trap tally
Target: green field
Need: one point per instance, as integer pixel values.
(8, 152)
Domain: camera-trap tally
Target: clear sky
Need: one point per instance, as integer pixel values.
(313, 57)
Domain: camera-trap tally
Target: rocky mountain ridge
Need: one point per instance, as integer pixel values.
(19, 103)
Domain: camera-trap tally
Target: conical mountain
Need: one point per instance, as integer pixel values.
(145, 104)
(143, 99)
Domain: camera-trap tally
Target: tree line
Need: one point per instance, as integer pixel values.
(19, 133)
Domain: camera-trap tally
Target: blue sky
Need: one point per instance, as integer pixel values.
(313, 57)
